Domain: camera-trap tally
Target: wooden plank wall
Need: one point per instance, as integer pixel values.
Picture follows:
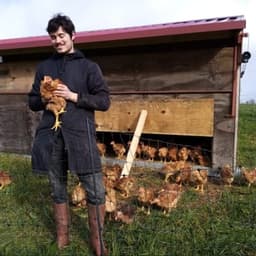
(190, 117)
(16, 76)
(186, 69)
(17, 124)
(171, 69)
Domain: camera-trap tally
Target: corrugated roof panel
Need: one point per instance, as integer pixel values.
(147, 31)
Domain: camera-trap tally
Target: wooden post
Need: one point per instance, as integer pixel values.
(134, 144)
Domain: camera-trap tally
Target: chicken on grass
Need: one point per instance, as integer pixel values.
(5, 179)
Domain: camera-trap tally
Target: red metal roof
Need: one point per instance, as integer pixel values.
(168, 29)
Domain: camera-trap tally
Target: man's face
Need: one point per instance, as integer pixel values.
(62, 42)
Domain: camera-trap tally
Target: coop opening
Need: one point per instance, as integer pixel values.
(157, 148)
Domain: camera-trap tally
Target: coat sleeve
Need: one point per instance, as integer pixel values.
(97, 97)
(34, 97)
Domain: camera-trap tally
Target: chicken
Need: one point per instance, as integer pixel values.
(163, 153)
(184, 175)
(55, 104)
(183, 153)
(170, 187)
(124, 185)
(125, 213)
(5, 179)
(199, 178)
(172, 169)
(138, 151)
(151, 153)
(194, 153)
(112, 174)
(249, 175)
(108, 183)
(167, 200)
(148, 151)
(197, 157)
(117, 170)
(102, 148)
(173, 153)
(226, 175)
(203, 160)
(78, 196)
(110, 201)
(168, 167)
(119, 149)
(145, 196)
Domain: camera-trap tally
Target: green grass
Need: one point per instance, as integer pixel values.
(221, 222)
(247, 135)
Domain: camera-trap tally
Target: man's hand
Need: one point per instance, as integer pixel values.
(63, 91)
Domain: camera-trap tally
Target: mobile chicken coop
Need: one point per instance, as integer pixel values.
(185, 74)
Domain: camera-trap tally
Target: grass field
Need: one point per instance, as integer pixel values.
(222, 221)
(247, 135)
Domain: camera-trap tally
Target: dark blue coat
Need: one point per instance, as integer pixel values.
(78, 125)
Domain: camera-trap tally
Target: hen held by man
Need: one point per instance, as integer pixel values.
(55, 104)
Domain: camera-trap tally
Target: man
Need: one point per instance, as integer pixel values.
(73, 146)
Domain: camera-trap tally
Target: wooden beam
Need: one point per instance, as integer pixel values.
(134, 144)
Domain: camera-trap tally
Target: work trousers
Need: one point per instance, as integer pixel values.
(92, 182)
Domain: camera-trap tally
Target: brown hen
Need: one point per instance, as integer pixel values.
(102, 149)
(163, 153)
(199, 178)
(110, 202)
(119, 149)
(145, 196)
(167, 200)
(125, 185)
(78, 196)
(55, 104)
(125, 213)
(249, 175)
(5, 179)
(226, 175)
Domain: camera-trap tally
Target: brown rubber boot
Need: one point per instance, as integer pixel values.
(96, 229)
(61, 213)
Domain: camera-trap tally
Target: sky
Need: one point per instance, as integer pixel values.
(23, 18)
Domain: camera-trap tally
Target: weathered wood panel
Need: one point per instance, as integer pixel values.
(222, 148)
(182, 69)
(16, 76)
(14, 131)
(176, 117)
(18, 124)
